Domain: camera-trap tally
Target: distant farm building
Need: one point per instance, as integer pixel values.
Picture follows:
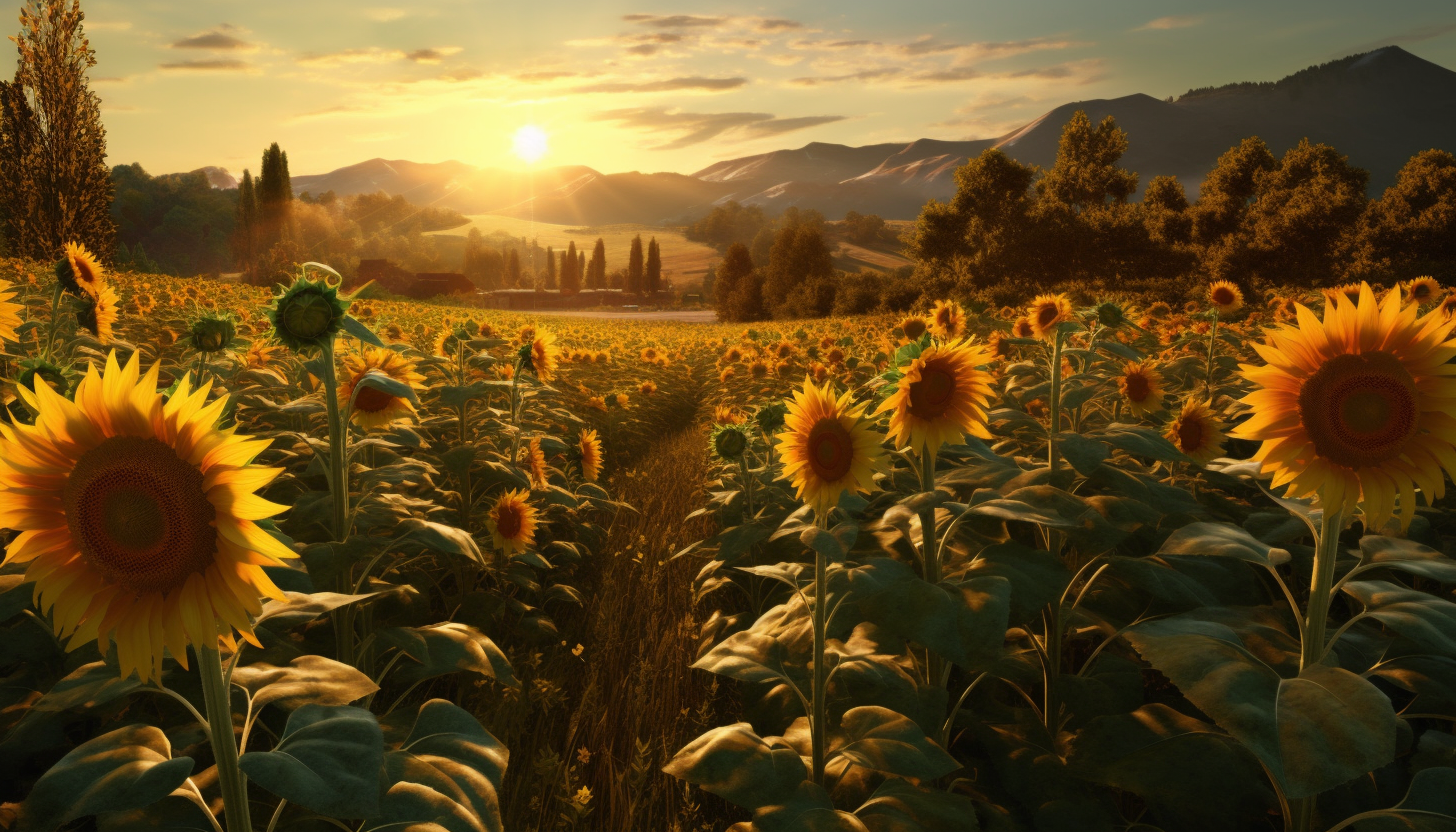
(398, 281)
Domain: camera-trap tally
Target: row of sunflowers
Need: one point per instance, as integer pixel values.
(1088, 567)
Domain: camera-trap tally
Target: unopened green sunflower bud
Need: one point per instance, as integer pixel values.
(212, 333)
(729, 442)
(1110, 314)
(307, 315)
(770, 417)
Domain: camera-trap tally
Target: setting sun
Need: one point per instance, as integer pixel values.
(530, 143)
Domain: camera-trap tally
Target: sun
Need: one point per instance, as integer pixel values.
(530, 143)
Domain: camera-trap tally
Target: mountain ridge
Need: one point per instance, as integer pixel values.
(1379, 108)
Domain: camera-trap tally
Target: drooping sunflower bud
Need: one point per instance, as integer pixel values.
(34, 369)
(78, 272)
(212, 333)
(770, 417)
(729, 442)
(307, 315)
(1111, 315)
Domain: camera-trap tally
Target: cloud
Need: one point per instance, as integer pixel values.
(668, 85)
(675, 21)
(385, 15)
(213, 65)
(1180, 21)
(432, 56)
(696, 128)
(777, 24)
(544, 76)
(369, 55)
(862, 75)
(218, 40)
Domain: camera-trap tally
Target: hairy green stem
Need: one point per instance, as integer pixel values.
(1327, 548)
(339, 484)
(230, 778)
(1056, 402)
(818, 721)
(930, 554)
(1212, 334)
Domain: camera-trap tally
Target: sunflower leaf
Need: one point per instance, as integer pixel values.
(447, 648)
(305, 680)
(120, 770)
(445, 775)
(327, 760)
(741, 767)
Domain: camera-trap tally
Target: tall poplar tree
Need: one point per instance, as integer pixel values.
(652, 279)
(275, 197)
(570, 271)
(550, 270)
(597, 274)
(245, 231)
(634, 267)
(55, 186)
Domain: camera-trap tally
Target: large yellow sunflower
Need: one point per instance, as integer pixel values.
(374, 408)
(85, 274)
(1197, 431)
(941, 397)
(1225, 297)
(828, 447)
(536, 463)
(136, 517)
(1357, 407)
(1422, 290)
(10, 319)
(99, 313)
(512, 522)
(589, 448)
(1142, 388)
(1046, 312)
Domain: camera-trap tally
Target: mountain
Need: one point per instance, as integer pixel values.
(1379, 108)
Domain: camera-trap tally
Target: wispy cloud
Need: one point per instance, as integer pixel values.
(666, 85)
(862, 75)
(1414, 35)
(1179, 21)
(376, 55)
(212, 65)
(696, 128)
(675, 21)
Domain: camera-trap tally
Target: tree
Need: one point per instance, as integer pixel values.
(245, 227)
(863, 229)
(738, 287)
(1227, 190)
(275, 195)
(597, 274)
(1411, 229)
(1302, 223)
(55, 186)
(1085, 175)
(799, 258)
(710, 277)
(513, 269)
(635, 267)
(570, 271)
(652, 279)
(550, 269)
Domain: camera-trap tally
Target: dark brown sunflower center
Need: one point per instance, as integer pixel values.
(1136, 387)
(1223, 296)
(1360, 410)
(372, 400)
(1047, 314)
(508, 522)
(914, 328)
(931, 396)
(1190, 435)
(139, 514)
(831, 450)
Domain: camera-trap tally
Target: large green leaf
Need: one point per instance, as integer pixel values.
(1222, 540)
(446, 775)
(1429, 806)
(447, 648)
(298, 608)
(882, 740)
(1037, 576)
(963, 621)
(1179, 765)
(15, 595)
(1408, 556)
(438, 537)
(305, 680)
(899, 806)
(120, 770)
(1313, 732)
(1424, 619)
(327, 760)
(741, 767)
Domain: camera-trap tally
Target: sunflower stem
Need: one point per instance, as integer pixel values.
(1212, 334)
(55, 317)
(818, 721)
(230, 778)
(930, 554)
(1327, 549)
(339, 484)
(747, 483)
(1055, 403)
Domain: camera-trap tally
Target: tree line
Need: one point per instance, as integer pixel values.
(497, 262)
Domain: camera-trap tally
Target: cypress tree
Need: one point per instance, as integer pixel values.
(274, 195)
(245, 232)
(550, 270)
(570, 271)
(653, 278)
(55, 186)
(513, 269)
(634, 267)
(597, 276)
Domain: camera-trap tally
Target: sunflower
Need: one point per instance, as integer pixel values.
(540, 355)
(1142, 388)
(98, 312)
(260, 354)
(947, 320)
(9, 312)
(1022, 328)
(137, 517)
(1422, 290)
(512, 522)
(373, 407)
(536, 463)
(828, 447)
(1046, 312)
(1225, 297)
(1448, 306)
(941, 397)
(913, 327)
(1350, 291)
(589, 448)
(78, 271)
(308, 314)
(647, 388)
(1357, 407)
(1197, 432)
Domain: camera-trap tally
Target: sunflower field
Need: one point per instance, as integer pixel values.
(302, 559)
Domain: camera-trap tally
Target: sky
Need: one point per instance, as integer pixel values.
(655, 85)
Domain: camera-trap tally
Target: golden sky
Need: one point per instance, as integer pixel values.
(655, 86)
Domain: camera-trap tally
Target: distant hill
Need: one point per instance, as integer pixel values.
(1379, 108)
